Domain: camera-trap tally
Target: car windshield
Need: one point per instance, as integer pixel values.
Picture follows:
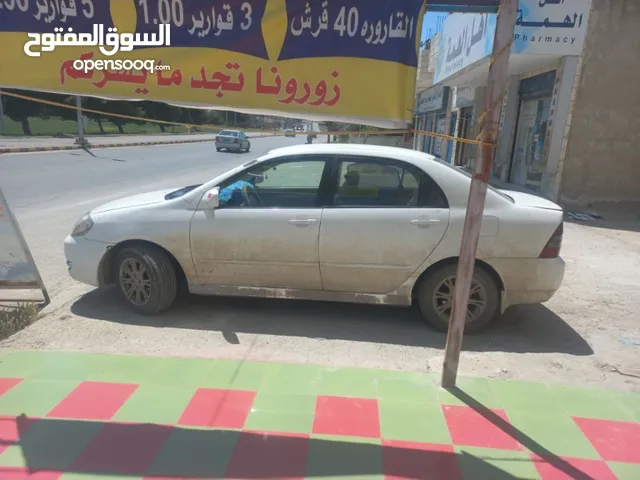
(228, 133)
(180, 192)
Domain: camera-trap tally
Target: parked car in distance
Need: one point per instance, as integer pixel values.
(232, 141)
(289, 132)
(338, 222)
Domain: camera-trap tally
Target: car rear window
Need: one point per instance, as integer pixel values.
(228, 133)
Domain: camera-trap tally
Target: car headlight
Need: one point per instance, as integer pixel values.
(82, 226)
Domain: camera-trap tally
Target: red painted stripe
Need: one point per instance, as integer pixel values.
(93, 401)
(210, 407)
(7, 384)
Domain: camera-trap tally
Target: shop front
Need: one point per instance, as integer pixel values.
(527, 163)
(431, 112)
(464, 104)
(547, 43)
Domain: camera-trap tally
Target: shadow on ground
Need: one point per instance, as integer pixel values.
(523, 329)
(628, 221)
(172, 452)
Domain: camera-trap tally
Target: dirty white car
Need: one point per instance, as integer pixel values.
(353, 223)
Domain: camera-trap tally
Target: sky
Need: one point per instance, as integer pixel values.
(431, 24)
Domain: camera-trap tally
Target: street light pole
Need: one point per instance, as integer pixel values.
(496, 85)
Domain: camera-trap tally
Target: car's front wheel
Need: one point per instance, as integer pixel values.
(435, 298)
(248, 147)
(146, 279)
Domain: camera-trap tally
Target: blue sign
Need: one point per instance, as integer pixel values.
(43, 16)
(374, 30)
(221, 24)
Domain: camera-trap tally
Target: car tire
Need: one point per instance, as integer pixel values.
(433, 298)
(157, 272)
(218, 149)
(248, 147)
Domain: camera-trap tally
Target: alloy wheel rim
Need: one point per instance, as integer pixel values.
(443, 299)
(135, 281)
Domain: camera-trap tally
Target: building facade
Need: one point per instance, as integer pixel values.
(567, 109)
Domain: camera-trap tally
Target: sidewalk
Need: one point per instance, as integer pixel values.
(47, 144)
(72, 416)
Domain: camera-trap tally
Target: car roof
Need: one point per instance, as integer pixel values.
(414, 157)
(229, 130)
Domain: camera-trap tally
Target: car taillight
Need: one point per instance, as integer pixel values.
(235, 140)
(552, 248)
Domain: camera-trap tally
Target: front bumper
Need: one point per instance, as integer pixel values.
(83, 258)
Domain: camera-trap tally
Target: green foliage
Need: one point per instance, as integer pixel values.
(14, 319)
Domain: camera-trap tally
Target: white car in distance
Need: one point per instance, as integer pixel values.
(354, 223)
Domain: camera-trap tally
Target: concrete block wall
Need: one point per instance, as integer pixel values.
(601, 161)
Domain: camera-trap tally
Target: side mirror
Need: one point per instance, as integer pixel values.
(212, 198)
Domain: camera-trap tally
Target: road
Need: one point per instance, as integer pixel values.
(26, 142)
(586, 334)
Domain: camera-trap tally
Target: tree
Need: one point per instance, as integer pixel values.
(160, 111)
(20, 110)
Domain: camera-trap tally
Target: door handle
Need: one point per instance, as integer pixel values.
(301, 221)
(424, 222)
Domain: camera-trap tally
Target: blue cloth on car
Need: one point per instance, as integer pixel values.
(227, 192)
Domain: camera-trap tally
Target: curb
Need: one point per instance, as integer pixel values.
(108, 145)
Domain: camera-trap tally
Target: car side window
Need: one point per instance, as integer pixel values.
(380, 183)
(290, 183)
(376, 183)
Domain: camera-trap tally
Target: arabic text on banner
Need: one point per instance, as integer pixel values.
(327, 58)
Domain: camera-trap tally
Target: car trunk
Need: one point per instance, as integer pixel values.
(528, 200)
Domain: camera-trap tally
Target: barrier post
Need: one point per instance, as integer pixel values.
(496, 84)
(80, 140)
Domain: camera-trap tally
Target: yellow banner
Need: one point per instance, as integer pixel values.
(349, 60)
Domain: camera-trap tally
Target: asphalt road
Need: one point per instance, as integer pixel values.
(48, 192)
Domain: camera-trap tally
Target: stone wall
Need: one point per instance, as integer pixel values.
(601, 161)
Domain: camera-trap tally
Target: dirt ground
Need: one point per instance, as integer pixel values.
(588, 334)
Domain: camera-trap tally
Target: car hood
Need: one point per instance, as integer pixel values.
(134, 201)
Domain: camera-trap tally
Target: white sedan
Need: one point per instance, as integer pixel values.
(354, 223)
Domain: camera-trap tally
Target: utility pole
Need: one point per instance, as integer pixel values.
(3, 131)
(80, 140)
(496, 85)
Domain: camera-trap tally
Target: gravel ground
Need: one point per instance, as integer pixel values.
(588, 334)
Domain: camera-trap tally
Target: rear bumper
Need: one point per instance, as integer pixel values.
(228, 146)
(528, 280)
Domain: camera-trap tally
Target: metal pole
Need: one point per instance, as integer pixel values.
(80, 140)
(3, 131)
(496, 85)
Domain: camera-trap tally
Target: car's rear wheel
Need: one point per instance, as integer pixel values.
(435, 298)
(146, 279)
(218, 149)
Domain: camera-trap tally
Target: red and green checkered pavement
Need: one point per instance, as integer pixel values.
(85, 416)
